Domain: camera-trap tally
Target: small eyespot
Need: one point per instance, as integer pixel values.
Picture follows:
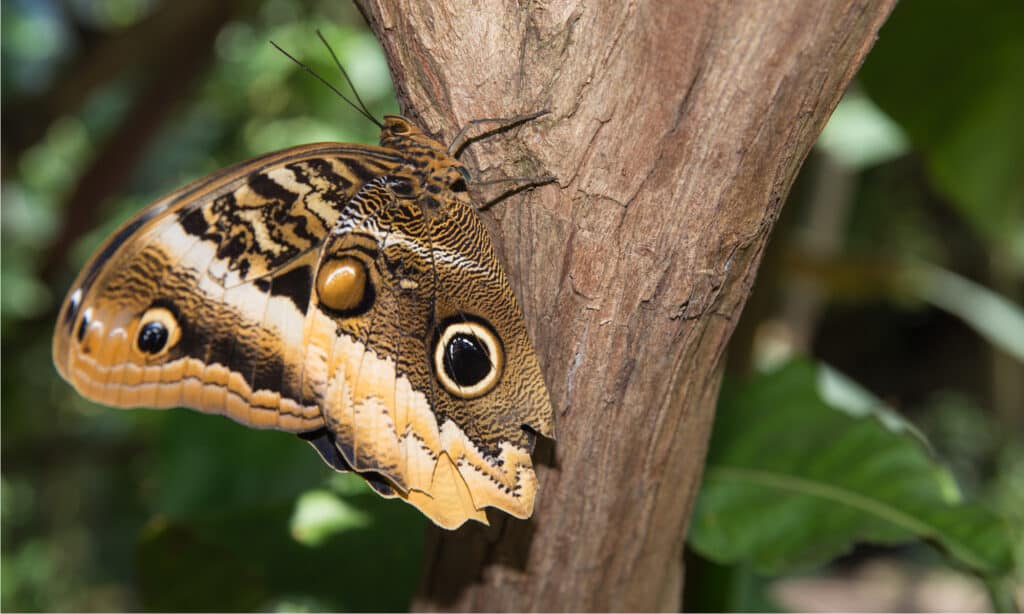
(468, 358)
(459, 185)
(158, 331)
(152, 337)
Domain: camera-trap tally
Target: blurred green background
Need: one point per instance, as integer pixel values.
(886, 324)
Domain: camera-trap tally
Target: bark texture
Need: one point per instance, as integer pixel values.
(675, 133)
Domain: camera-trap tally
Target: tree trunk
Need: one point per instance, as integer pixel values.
(675, 133)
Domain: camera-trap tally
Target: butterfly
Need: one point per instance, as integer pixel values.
(345, 293)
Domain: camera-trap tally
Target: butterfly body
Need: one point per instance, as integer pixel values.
(346, 293)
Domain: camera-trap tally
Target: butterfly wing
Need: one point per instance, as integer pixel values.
(432, 381)
(200, 299)
(300, 292)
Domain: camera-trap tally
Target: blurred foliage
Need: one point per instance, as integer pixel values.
(899, 262)
(840, 479)
(108, 510)
(966, 63)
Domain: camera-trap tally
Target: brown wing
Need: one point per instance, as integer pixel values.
(200, 299)
(336, 291)
(431, 381)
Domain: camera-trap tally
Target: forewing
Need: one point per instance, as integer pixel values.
(224, 266)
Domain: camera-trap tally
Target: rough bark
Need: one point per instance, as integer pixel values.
(675, 133)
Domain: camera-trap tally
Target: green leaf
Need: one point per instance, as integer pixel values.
(840, 392)
(860, 135)
(320, 514)
(791, 483)
(950, 73)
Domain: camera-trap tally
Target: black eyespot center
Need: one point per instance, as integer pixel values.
(467, 355)
(459, 185)
(153, 337)
(466, 360)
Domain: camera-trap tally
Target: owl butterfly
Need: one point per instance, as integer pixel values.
(345, 293)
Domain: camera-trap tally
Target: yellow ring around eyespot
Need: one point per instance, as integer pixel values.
(165, 317)
(341, 283)
(493, 346)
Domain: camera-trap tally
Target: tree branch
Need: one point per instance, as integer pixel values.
(676, 131)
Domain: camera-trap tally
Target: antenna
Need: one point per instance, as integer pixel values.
(362, 109)
(344, 73)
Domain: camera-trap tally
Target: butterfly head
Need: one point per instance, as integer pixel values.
(426, 154)
(400, 133)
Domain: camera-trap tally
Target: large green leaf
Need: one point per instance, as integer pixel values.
(792, 482)
(950, 73)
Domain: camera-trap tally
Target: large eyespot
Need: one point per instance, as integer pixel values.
(158, 331)
(343, 286)
(468, 358)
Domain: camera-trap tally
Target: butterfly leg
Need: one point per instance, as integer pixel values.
(461, 140)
